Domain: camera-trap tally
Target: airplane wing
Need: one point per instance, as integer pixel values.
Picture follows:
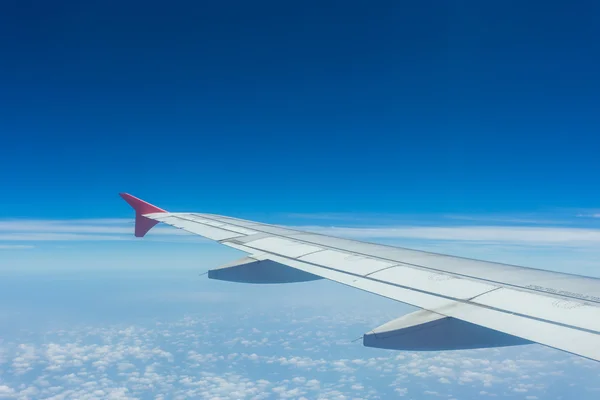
(465, 303)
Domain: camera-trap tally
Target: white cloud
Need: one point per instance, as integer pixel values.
(588, 215)
(25, 359)
(25, 230)
(313, 384)
(222, 355)
(43, 237)
(122, 229)
(15, 246)
(6, 392)
(187, 358)
(510, 235)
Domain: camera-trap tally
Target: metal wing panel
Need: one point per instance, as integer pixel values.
(230, 220)
(216, 224)
(568, 312)
(196, 227)
(562, 337)
(285, 247)
(562, 284)
(537, 305)
(443, 284)
(357, 264)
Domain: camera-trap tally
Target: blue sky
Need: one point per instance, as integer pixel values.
(467, 128)
(327, 106)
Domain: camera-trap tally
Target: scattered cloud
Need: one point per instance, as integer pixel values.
(259, 355)
(121, 229)
(187, 358)
(6, 392)
(509, 235)
(24, 230)
(593, 215)
(84, 226)
(525, 219)
(347, 217)
(559, 217)
(15, 246)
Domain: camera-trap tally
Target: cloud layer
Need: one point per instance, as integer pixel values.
(121, 229)
(512, 235)
(206, 357)
(81, 230)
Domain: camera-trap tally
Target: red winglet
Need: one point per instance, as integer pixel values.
(142, 224)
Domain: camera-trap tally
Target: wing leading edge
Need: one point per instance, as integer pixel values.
(465, 303)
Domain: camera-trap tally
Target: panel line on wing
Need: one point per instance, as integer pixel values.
(223, 226)
(382, 269)
(484, 293)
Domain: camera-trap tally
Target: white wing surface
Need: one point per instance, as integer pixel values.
(465, 303)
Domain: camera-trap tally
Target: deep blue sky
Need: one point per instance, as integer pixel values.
(238, 107)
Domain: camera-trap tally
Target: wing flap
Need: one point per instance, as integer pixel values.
(357, 264)
(428, 331)
(285, 247)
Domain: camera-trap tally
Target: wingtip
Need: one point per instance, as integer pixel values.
(141, 207)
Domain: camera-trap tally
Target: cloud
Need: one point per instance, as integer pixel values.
(532, 219)
(121, 229)
(25, 359)
(83, 230)
(171, 296)
(588, 215)
(556, 217)
(508, 235)
(41, 237)
(84, 226)
(347, 217)
(15, 246)
(186, 358)
(6, 392)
